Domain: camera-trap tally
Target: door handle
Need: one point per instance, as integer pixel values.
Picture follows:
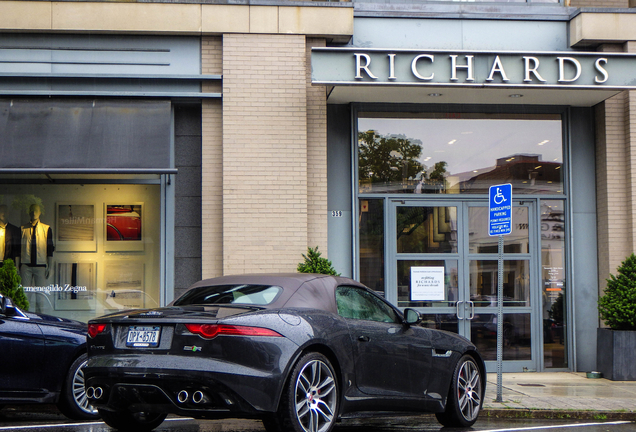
(458, 309)
(364, 338)
(471, 315)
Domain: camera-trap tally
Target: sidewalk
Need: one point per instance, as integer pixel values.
(560, 395)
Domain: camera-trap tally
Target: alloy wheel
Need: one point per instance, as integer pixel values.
(469, 390)
(79, 391)
(315, 397)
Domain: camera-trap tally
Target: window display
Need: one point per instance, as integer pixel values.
(84, 250)
(459, 153)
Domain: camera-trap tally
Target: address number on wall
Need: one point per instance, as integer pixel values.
(336, 213)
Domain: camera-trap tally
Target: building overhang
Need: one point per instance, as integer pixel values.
(590, 27)
(332, 21)
(483, 77)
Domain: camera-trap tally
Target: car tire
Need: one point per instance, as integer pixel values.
(132, 422)
(465, 395)
(73, 402)
(310, 398)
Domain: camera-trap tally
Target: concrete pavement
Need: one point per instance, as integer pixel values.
(560, 395)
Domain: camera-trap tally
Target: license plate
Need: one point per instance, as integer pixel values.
(143, 336)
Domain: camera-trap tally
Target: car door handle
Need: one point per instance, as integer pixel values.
(364, 338)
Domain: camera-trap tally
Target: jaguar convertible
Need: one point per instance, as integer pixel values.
(299, 351)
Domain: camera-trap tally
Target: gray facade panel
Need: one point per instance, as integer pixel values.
(449, 34)
(189, 153)
(83, 133)
(188, 181)
(188, 263)
(187, 272)
(584, 285)
(339, 166)
(187, 242)
(189, 211)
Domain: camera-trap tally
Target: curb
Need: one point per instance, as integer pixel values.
(558, 414)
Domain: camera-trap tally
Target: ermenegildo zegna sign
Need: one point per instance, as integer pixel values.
(361, 66)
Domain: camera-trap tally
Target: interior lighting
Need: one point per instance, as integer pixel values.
(543, 142)
(537, 167)
(515, 95)
(451, 142)
(434, 94)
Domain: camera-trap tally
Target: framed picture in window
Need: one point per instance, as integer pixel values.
(76, 230)
(124, 228)
(75, 286)
(124, 285)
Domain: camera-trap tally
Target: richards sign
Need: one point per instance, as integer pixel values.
(355, 66)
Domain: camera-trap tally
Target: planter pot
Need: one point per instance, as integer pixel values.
(615, 354)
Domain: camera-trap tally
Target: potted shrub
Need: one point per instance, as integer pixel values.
(314, 263)
(10, 285)
(617, 308)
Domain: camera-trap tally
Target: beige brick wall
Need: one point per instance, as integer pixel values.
(316, 159)
(264, 152)
(212, 168)
(615, 178)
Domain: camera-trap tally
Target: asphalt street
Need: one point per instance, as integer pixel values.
(50, 421)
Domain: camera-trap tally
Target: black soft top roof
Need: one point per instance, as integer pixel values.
(302, 290)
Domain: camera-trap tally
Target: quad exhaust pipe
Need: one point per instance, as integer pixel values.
(198, 397)
(182, 396)
(94, 392)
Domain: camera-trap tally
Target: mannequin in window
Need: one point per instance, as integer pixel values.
(37, 250)
(9, 238)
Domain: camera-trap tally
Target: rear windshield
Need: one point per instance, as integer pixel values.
(259, 295)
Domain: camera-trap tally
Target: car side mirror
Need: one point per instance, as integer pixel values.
(412, 317)
(3, 305)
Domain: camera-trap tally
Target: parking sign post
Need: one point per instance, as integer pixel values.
(500, 224)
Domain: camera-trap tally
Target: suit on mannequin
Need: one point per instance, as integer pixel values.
(36, 251)
(9, 238)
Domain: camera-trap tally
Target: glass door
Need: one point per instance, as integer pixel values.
(520, 286)
(446, 267)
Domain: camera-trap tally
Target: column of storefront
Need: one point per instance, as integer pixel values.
(264, 152)
(211, 161)
(317, 211)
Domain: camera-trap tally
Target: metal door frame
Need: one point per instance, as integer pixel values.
(464, 258)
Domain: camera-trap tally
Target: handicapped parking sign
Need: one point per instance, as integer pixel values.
(500, 214)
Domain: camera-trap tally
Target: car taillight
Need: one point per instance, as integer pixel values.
(95, 329)
(210, 331)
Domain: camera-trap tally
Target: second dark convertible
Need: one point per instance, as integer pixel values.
(297, 351)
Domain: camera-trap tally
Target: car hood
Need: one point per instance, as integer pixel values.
(55, 321)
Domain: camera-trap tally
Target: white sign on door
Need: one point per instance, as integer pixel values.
(427, 283)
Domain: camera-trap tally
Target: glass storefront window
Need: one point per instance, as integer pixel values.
(459, 153)
(371, 229)
(426, 229)
(554, 284)
(95, 248)
(516, 336)
(518, 241)
(484, 281)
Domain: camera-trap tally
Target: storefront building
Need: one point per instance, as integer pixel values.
(160, 143)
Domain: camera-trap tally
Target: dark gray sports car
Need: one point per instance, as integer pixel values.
(298, 351)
